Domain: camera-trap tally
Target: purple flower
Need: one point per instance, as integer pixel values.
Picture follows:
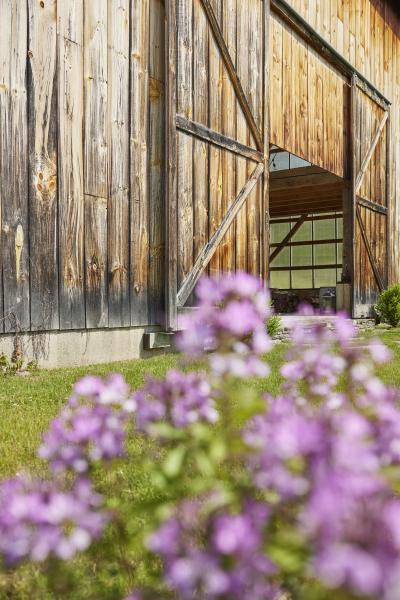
(92, 426)
(39, 520)
(230, 320)
(195, 551)
(181, 399)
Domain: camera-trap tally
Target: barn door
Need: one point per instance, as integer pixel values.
(371, 195)
(216, 151)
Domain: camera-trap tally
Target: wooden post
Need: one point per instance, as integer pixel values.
(388, 197)
(171, 281)
(265, 197)
(349, 240)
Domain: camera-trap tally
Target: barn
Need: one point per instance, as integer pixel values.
(144, 143)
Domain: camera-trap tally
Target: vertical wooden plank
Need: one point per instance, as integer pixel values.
(200, 114)
(118, 201)
(287, 100)
(156, 159)
(276, 82)
(254, 201)
(266, 80)
(70, 167)
(43, 238)
(95, 162)
(5, 45)
(227, 248)
(242, 65)
(185, 142)
(215, 155)
(139, 156)
(15, 235)
(171, 280)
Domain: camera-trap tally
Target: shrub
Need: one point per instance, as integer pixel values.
(274, 326)
(388, 306)
(252, 496)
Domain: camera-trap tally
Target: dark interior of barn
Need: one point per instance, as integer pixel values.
(306, 235)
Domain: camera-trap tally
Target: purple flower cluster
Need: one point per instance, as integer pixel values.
(328, 455)
(180, 399)
(219, 556)
(91, 427)
(231, 321)
(39, 519)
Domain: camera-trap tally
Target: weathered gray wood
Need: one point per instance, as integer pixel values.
(374, 266)
(96, 162)
(70, 166)
(5, 45)
(156, 160)
(119, 314)
(368, 156)
(372, 205)
(202, 132)
(209, 250)
(201, 71)
(43, 238)
(229, 64)
(139, 156)
(171, 280)
(184, 142)
(287, 238)
(14, 166)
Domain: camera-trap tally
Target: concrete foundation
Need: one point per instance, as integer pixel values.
(78, 348)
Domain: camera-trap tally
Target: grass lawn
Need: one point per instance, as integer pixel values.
(28, 404)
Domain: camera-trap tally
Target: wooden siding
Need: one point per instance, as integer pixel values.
(81, 161)
(210, 176)
(308, 101)
(367, 34)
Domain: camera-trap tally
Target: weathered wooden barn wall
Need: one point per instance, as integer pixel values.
(367, 34)
(209, 178)
(81, 163)
(309, 101)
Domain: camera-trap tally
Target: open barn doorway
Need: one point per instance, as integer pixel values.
(306, 234)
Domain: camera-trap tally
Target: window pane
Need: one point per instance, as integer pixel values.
(325, 254)
(324, 229)
(279, 161)
(301, 256)
(280, 280)
(283, 259)
(302, 279)
(340, 254)
(325, 278)
(339, 227)
(304, 234)
(278, 231)
(296, 162)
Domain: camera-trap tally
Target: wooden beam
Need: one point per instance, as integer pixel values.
(310, 267)
(171, 262)
(230, 67)
(211, 136)
(372, 206)
(310, 243)
(210, 248)
(366, 161)
(369, 251)
(287, 238)
(297, 172)
(317, 180)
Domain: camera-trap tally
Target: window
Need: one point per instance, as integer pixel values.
(313, 257)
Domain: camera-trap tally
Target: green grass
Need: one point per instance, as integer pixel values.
(27, 405)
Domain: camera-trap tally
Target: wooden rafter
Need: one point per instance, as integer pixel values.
(368, 156)
(206, 134)
(210, 248)
(230, 67)
(375, 270)
(287, 238)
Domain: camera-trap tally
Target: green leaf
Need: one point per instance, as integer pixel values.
(173, 463)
